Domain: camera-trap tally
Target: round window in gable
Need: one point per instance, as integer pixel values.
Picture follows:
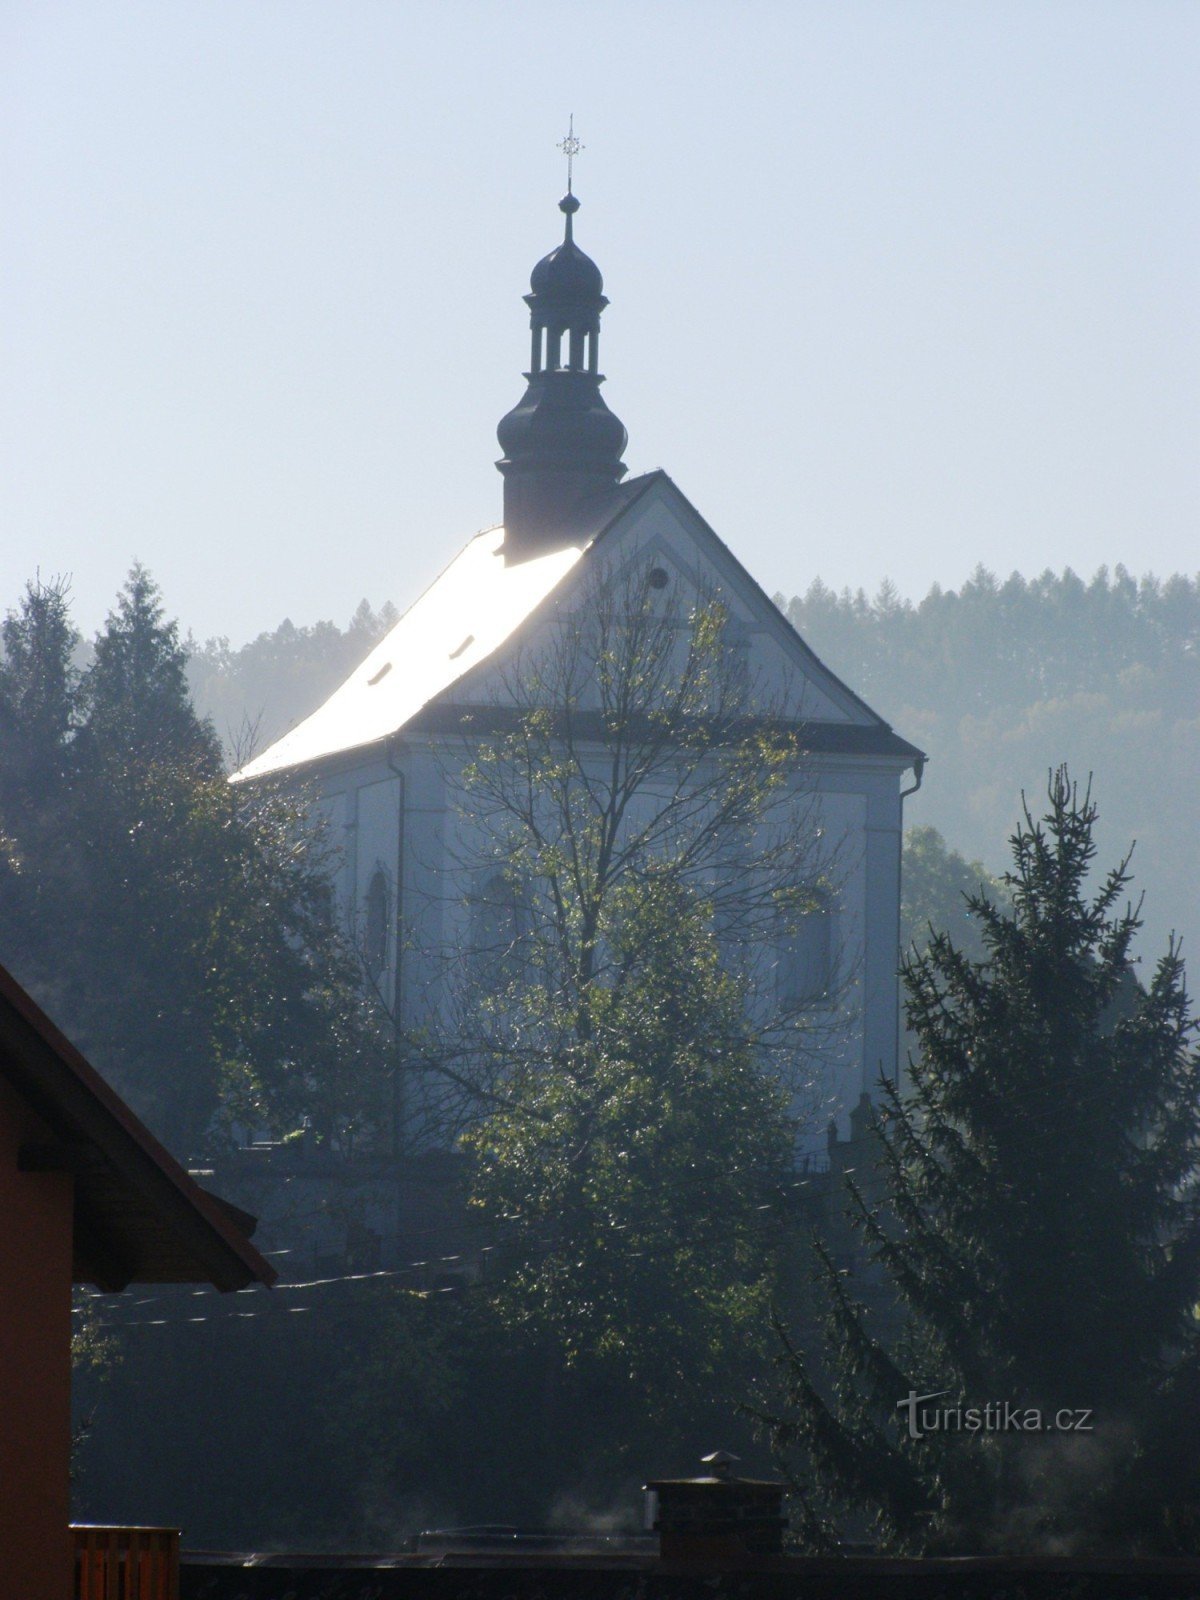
(658, 578)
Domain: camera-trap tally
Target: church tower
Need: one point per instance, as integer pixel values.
(561, 443)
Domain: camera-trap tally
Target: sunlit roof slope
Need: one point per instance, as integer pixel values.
(465, 615)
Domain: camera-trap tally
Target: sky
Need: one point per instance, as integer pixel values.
(896, 288)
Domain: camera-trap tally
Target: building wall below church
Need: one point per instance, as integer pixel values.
(35, 1365)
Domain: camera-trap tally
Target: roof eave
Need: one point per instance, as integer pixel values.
(64, 1088)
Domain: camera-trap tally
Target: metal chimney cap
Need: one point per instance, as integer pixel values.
(720, 1463)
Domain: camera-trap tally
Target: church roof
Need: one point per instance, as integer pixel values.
(466, 614)
(476, 605)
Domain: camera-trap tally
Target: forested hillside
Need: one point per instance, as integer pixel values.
(1000, 681)
(254, 694)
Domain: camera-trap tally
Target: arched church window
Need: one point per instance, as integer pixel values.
(499, 922)
(324, 903)
(804, 967)
(375, 924)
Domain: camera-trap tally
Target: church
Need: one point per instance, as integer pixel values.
(382, 758)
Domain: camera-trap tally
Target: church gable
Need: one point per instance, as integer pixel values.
(663, 528)
(450, 646)
(659, 531)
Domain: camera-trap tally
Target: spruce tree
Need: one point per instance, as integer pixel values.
(138, 707)
(178, 927)
(38, 688)
(1040, 1241)
(38, 718)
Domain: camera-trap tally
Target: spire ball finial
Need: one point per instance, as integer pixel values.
(570, 147)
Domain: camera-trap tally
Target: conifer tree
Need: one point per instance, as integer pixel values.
(177, 927)
(1041, 1239)
(135, 692)
(38, 684)
(38, 717)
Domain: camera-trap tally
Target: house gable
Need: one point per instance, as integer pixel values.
(137, 1215)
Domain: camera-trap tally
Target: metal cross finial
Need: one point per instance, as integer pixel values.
(570, 147)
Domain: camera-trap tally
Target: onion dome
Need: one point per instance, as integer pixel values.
(566, 273)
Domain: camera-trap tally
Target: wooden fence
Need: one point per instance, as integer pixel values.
(126, 1563)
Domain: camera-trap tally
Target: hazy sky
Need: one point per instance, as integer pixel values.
(896, 288)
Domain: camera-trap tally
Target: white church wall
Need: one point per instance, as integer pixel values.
(433, 859)
(410, 819)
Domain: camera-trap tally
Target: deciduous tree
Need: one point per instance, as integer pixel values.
(632, 1015)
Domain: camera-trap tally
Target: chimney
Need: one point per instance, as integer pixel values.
(718, 1517)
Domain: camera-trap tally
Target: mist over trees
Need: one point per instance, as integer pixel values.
(255, 693)
(1040, 1234)
(1001, 680)
(166, 918)
(998, 681)
(177, 930)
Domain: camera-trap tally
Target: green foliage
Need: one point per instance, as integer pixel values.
(641, 758)
(936, 886)
(95, 1356)
(1042, 1236)
(1000, 680)
(176, 927)
(136, 709)
(634, 1172)
(37, 691)
(627, 1104)
(1012, 643)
